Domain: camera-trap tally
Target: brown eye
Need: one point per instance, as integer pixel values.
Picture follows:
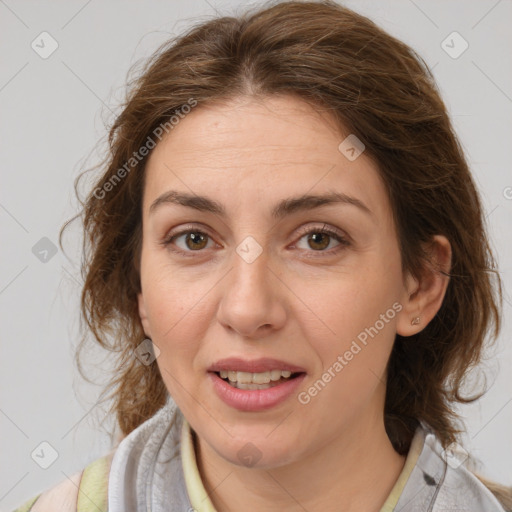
(187, 241)
(319, 240)
(196, 240)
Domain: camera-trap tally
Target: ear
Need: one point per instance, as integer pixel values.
(423, 297)
(143, 315)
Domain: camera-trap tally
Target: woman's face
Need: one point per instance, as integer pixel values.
(244, 288)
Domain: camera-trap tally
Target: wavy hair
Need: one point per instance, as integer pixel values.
(376, 87)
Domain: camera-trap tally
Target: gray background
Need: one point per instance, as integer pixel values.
(52, 117)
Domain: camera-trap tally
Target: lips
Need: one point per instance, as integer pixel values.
(254, 366)
(240, 391)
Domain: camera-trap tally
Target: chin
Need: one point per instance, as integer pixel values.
(257, 452)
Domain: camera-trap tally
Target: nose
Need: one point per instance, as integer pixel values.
(253, 297)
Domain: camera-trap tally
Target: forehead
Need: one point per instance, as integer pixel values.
(266, 148)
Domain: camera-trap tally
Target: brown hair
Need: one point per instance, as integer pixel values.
(376, 87)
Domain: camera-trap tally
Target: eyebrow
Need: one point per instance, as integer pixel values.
(282, 209)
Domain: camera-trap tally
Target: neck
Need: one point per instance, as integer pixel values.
(354, 472)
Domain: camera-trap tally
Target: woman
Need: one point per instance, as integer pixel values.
(287, 241)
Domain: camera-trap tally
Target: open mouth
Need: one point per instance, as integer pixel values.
(263, 380)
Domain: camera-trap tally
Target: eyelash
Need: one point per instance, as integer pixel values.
(343, 242)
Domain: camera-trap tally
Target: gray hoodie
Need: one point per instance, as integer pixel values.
(147, 474)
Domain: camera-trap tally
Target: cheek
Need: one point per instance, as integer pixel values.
(168, 295)
(342, 306)
(352, 371)
(177, 320)
(351, 328)
(176, 312)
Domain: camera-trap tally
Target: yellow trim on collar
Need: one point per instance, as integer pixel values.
(196, 492)
(201, 502)
(412, 457)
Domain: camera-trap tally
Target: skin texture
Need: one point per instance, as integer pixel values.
(296, 302)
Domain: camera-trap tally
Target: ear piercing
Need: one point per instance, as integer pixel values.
(415, 321)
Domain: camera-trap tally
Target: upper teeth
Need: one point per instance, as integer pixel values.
(256, 378)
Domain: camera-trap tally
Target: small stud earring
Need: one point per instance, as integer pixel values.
(415, 321)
